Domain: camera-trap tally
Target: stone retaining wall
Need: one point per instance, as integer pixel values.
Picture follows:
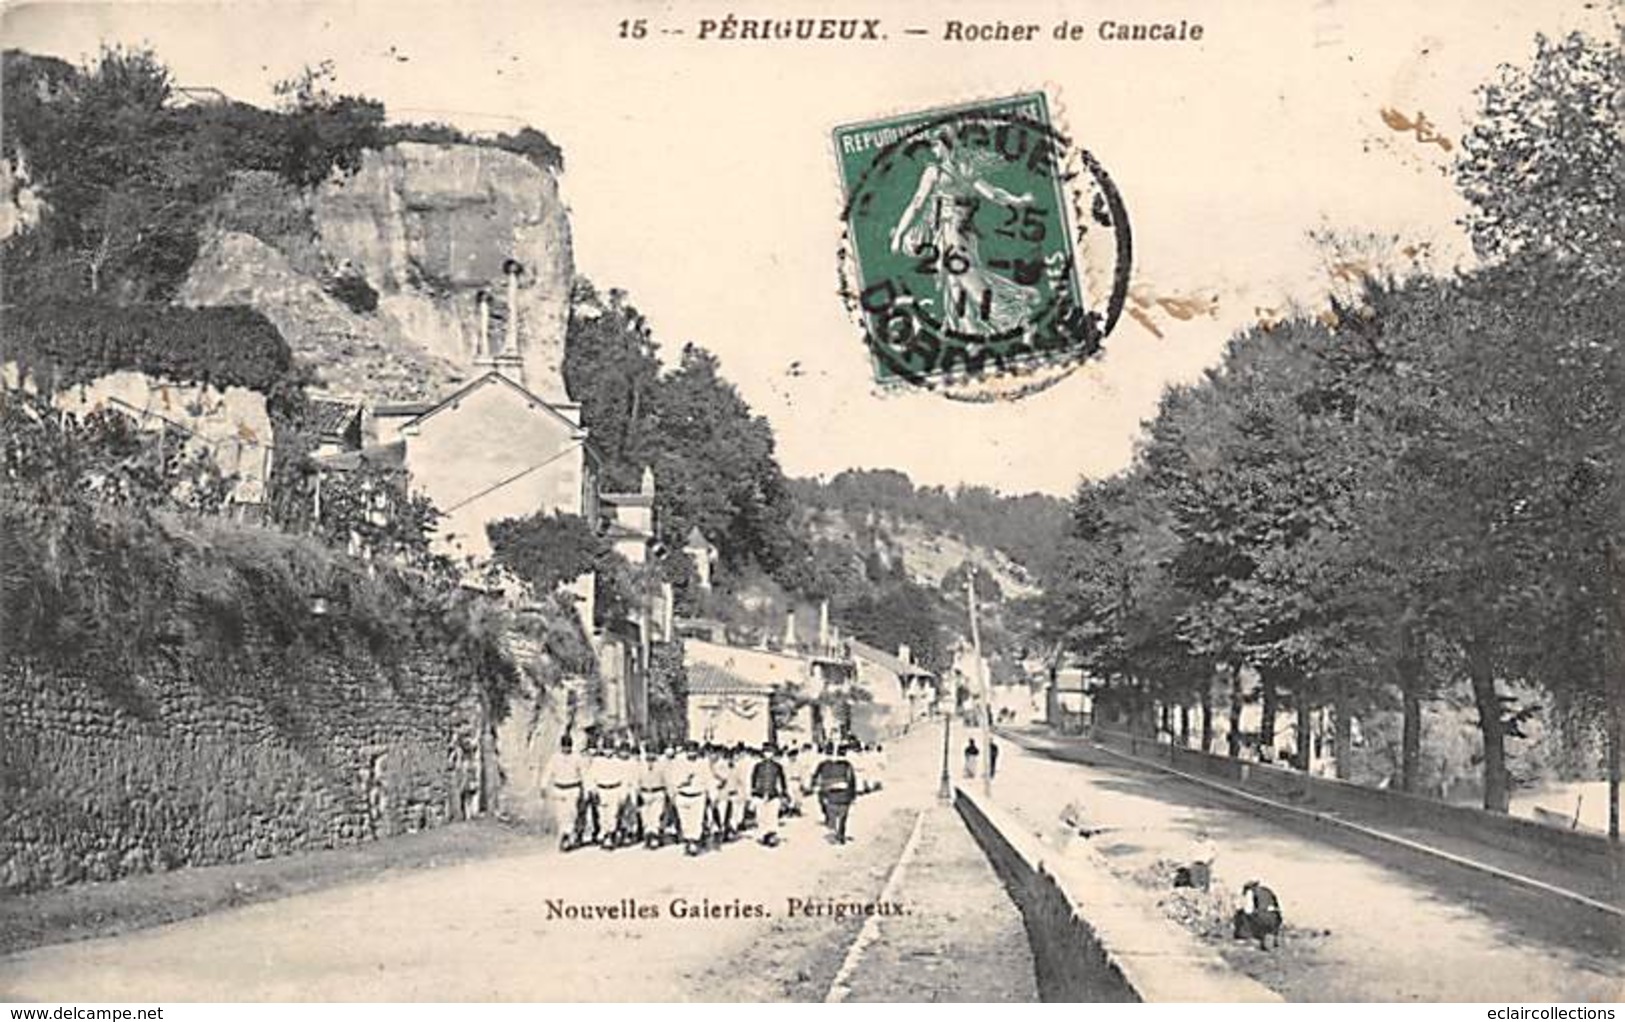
(181, 766)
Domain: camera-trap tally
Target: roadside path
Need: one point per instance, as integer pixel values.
(1361, 926)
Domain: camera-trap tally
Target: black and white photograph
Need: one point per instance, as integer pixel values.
(905, 501)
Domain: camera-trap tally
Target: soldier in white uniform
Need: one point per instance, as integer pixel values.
(691, 784)
(609, 779)
(721, 808)
(739, 786)
(797, 768)
(563, 786)
(652, 798)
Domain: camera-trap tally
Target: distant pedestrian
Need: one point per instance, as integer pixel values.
(972, 755)
(837, 785)
(992, 759)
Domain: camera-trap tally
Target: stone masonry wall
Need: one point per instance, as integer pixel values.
(185, 767)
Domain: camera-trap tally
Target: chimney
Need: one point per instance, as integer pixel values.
(482, 343)
(905, 654)
(790, 629)
(823, 625)
(510, 360)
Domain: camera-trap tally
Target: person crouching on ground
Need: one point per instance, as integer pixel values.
(837, 785)
(1258, 915)
(767, 794)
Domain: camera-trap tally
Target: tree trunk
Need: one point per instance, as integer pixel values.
(1343, 737)
(1613, 773)
(1207, 718)
(1233, 739)
(1266, 727)
(1480, 671)
(1185, 725)
(1167, 722)
(1408, 675)
(1306, 732)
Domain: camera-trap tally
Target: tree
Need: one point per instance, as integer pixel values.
(547, 550)
(1543, 162)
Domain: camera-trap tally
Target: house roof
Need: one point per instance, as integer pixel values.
(626, 498)
(615, 530)
(496, 379)
(901, 668)
(391, 455)
(696, 540)
(709, 679)
(331, 416)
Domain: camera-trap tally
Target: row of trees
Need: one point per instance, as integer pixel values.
(1423, 489)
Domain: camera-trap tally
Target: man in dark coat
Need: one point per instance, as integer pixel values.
(768, 791)
(836, 782)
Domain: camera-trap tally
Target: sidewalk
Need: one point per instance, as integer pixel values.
(961, 937)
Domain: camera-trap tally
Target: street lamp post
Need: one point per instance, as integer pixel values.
(945, 788)
(987, 691)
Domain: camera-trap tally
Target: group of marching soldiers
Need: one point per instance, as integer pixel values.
(703, 795)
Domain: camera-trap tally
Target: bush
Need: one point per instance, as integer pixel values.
(226, 346)
(353, 290)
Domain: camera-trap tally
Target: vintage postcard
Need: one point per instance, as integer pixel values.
(934, 500)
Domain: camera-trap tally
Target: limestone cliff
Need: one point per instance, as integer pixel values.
(428, 227)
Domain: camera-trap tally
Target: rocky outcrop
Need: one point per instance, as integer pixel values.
(353, 354)
(428, 227)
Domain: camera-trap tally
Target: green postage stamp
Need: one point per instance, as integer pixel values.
(963, 232)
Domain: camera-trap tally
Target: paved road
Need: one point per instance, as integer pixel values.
(490, 930)
(1364, 925)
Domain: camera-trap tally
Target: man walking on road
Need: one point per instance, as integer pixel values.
(562, 787)
(837, 785)
(690, 781)
(767, 794)
(972, 754)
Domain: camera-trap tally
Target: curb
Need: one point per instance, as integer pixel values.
(1093, 936)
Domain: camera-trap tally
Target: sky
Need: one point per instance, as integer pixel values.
(701, 178)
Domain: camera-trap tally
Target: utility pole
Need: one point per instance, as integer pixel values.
(987, 693)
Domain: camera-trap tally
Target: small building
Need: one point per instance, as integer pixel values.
(900, 691)
(726, 708)
(629, 520)
(703, 553)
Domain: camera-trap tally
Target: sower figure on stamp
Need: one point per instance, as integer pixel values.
(562, 787)
(767, 793)
(939, 222)
(837, 785)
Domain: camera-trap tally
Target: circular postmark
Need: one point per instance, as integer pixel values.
(984, 254)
